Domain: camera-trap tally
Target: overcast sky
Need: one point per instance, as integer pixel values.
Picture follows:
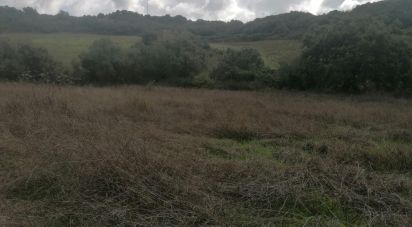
(244, 10)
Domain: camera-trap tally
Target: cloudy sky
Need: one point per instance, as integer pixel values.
(244, 10)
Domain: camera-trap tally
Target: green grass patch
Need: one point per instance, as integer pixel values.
(389, 156)
(239, 134)
(311, 209)
(234, 150)
(321, 210)
(66, 47)
(274, 52)
(400, 136)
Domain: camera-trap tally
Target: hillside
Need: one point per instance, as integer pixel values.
(84, 156)
(292, 25)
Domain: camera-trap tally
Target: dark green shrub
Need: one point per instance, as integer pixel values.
(171, 58)
(352, 57)
(24, 62)
(103, 64)
(241, 69)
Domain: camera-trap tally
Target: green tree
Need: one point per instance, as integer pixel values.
(351, 56)
(171, 58)
(10, 67)
(24, 62)
(240, 69)
(103, 63)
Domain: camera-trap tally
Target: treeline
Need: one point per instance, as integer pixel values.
(165, 58)
(131, 23)
(351, 56)
(294, 25)
(171, 58)
(358, 54)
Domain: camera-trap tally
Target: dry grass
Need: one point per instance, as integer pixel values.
(134, 156)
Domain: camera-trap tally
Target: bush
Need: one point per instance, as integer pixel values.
(351, 57)
(24, 62)
(168, 58)
(102, 64)
(241, 69)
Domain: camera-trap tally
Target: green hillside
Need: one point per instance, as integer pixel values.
(66, 46)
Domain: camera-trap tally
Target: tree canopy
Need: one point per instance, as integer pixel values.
(24, 62)
(241, 69)
(351, 56)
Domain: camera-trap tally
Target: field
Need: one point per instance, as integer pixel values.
(128, 156)
(274, 52)
(65, 47)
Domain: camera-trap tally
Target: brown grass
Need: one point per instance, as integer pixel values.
(135, 156)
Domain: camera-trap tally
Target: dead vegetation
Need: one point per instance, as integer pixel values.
(132, 156)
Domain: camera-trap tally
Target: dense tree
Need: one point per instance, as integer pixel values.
(290, 25)
(169, 57)
(392, 12)
(241, 69)
(24, 62)
(103, 63)
(351, 56)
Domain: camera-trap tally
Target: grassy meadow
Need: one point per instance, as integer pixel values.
(152, 156)
(66, 47)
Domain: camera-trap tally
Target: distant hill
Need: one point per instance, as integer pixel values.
(394, 12)
(292, 25)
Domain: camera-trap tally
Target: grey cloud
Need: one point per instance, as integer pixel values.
(214, 5)
(333, 4)
(121, 3)
(194, 9)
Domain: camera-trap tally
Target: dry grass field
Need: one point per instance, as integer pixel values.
(141, 156)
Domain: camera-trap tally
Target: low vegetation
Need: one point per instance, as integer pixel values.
(82, 156)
